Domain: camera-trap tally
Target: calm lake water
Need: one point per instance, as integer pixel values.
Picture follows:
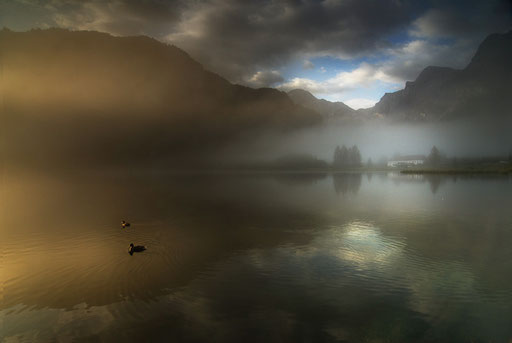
(256, 258)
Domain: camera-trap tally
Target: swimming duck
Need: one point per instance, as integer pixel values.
(124, 224)
(135, 248)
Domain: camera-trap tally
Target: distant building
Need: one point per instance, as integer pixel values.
(406, 161)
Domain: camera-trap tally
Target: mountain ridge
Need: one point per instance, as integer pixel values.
(126, 96)
(439, 93)
(329, 109)
(442, 93)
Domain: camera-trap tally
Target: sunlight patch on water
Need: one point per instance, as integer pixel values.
(362, 244)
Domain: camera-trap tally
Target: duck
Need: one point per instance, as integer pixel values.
(124, 224)
(135, 248)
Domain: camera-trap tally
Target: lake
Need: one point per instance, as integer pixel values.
(255, 257)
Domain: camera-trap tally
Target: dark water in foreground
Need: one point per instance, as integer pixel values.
(264, 258)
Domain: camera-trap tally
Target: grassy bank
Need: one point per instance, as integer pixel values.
(463, 170)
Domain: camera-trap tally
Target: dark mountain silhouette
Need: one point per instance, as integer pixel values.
(481, 90)
(331, 110)
(89, 97)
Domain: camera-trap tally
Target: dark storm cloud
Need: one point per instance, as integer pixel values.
(238, 39)
(463, 20)
(119, 17)
(448, 35)
(445, 35)
(255, 36)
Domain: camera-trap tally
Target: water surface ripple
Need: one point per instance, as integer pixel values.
(236, 258)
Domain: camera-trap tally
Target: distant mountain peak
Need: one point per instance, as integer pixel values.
(483, 88)
(495, 49)
(304, 94)
(326, 108)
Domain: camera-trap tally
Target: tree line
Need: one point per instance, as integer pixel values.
(346, 157)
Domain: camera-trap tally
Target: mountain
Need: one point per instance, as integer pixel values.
(330, 110)
(88, 97)
(482, 89)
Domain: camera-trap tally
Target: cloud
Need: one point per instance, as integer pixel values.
(438, 23)
(308, 65)
(358, 103)
(448, 35)
(405, 62)
(268, 34)
(399, 64)
(473, 21)
(238, 39)
(265, 78)
(118, 17)
(366, 75)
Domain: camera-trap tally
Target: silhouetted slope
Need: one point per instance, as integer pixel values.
(482, 89)
(90, 97)
(326, 108)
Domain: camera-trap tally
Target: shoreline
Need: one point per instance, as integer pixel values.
(457, 171)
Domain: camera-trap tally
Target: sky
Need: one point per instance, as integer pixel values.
(340, 50)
